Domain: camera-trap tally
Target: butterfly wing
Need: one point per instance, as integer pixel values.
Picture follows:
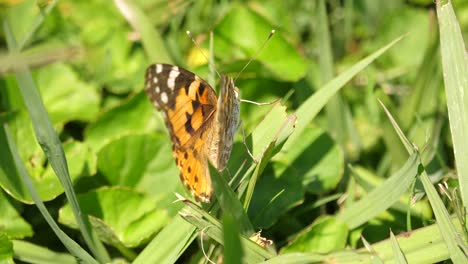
(189, 105)
(227, 121)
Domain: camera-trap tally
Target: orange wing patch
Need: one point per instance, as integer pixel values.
(194, 170)
(189, 105)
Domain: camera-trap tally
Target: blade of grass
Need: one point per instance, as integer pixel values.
(71, 245)
(151, 40)
(347, 257)
(340, 124)
(232, 245)
(454, 242)
(312, 106)
(37, 56)
(52, 147)
(409, 147)
(212, 227)
(32, 253)
(415, 245)
(452, 238)
(382, 197)
(455, 69)
(397, 253)
(169, 244)
(229, 202)
(38, 21)
(274, 142)
(374, 256)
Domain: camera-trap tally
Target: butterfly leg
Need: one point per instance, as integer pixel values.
(245, 143)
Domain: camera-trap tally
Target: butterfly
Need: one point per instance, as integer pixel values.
(201, 125)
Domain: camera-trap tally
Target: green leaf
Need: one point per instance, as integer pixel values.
(267, 140)
(124, 160)
(416, 244)
(311, 107)
(51, 145)
(397, 21)
(455, 68)
(340, 123)
(65, 96)
(399, 256)
(44, 178)
(71, 245)
(132, 230)
(211, 227)
(31, 253)
(318, 161)
(232, 244)
(152, 41)
(229, 202)
(168, 244)
(368, 180)
(454, 242)
(324, 235)
(141, 161)
(306, 258)
(383, 196)
(11, 223)
(279, 56)
(130, 117)
(6, 249)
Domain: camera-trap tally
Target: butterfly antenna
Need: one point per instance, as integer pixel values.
(189, 34)
(257, 53)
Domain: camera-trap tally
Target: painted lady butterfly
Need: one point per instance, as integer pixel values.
(201, 125)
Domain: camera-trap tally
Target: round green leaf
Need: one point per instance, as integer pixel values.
(130, 117)
(279, 56)
(11, 223)
(44, 178)
(121, 216)
(65, 96)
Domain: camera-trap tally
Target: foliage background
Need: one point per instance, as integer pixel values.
(87, 59)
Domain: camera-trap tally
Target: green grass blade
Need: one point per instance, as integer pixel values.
(409, 147)
(232, 245)
(71, 245)
(169, 244)
(37, 22)
(340, 124)
(229, 202)
(455, 69)
(52, 147)
(151, 40)
(307, 258)
(211, 227)
(31, 253)
(382, 197)
(451, 236)
(399, 256)
(312, 106)
(415, 245)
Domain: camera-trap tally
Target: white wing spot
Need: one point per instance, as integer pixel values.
(157, 89)
(164, 98)
(172, 76)
(155, 79)
(159, 68)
